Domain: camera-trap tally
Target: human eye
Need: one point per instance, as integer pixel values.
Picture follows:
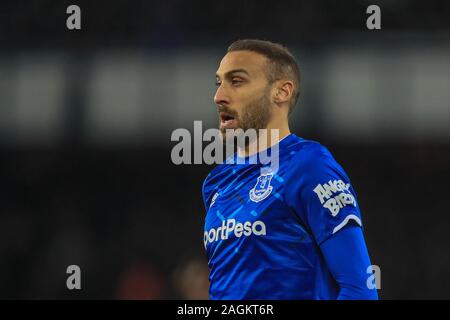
(236, 81)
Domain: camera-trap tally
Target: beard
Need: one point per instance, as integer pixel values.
(255, 115)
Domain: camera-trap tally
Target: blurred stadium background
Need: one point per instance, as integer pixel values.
(86, 118)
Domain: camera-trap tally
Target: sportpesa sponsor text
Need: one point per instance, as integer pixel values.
(239, 229)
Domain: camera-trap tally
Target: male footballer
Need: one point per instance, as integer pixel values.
(290, 233)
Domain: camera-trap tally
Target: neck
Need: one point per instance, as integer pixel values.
(272, 137)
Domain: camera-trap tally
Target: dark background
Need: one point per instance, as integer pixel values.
(86, 116)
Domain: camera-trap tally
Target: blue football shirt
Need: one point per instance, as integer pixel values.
(263, 229)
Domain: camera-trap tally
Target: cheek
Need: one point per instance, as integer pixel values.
(245, 96)
(239, 103)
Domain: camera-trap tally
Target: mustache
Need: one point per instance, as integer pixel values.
(226, 109)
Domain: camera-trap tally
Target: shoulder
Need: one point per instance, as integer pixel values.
(312, 163)
(212, 180)
(215, 174)
(309, 154)
(209, 179)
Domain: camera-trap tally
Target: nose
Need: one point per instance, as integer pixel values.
(221, 96)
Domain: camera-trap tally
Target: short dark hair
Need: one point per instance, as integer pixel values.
(282, 64)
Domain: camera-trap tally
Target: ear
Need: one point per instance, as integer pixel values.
(283, 91)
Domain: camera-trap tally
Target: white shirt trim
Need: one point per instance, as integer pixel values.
(346, 220)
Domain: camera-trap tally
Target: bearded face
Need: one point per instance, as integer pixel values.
(243, 94)
(254, 115)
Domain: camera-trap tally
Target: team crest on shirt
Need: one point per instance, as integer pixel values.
(262, 188)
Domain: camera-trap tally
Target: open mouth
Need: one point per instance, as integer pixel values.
(226, 120)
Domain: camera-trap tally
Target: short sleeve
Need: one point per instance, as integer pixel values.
(320, 193)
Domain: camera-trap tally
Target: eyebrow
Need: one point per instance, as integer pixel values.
(231, 72)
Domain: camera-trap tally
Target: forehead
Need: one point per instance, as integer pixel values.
(252, 62)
